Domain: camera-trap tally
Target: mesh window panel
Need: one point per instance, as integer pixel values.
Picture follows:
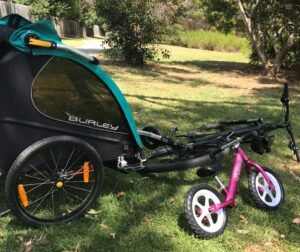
(66, 91)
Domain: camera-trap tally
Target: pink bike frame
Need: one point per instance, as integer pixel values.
(230, 192)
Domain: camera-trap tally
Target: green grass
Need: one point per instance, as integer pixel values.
(185, 55)
(209, 40)
(192, 88)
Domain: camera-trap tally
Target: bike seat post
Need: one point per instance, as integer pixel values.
(221, 185)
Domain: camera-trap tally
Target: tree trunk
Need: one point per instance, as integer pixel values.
(252, 35)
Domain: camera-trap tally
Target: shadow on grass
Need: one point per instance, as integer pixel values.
(118, 231)
(223, 66)
(127, 226)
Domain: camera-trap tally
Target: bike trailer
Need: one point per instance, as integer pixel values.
(49, 89)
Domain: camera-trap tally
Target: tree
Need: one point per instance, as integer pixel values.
(272, 24)
(273, 27)
(222, 14)
(136, 25)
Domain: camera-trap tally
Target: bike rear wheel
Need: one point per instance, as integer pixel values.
(54, 180)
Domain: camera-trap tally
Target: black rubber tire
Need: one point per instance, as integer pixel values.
(11, 180)
(189, 212)
(255, 196)
(183, 164)
(149, 142)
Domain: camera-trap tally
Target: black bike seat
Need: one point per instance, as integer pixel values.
(210, 170)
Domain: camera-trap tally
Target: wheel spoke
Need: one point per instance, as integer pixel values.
(73, 195)
(264, 195)
(46, 183)
(210, 220)
(43, 160)
(80, 156)
(32, 166)
(259, 182)
(78, 188)
(38, 178)
(53, 158)
(57, 161)
(34, 184)
(76, 173)
(42, 200)
(201, 216)
(53, 208)
(207, 202)
(270, 195)
(69, 159)
(91, 181)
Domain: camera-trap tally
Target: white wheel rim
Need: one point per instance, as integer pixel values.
(209, 222)
(269, 197)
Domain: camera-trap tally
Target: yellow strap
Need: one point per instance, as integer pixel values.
(23, 195)
(40, 43)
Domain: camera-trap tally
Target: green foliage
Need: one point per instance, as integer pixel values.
(79, 10)
(222, 14)
(136, 25)
(272, 24)
(210, 40)
(193, 18)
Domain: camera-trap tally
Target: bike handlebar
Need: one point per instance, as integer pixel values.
(234, 142)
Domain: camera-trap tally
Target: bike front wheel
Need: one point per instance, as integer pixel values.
(262, 195)
(205, 224)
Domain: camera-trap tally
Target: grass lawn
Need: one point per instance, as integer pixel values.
(191, 88)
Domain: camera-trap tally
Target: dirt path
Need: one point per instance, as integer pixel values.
(93, 46)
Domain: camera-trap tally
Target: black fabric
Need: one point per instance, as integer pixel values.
(5, 33)
(21, 124)
(14, 21)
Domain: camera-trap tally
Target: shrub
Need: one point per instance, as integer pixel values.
(209, 40)
(135, 25)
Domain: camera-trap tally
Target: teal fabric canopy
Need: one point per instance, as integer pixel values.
(46, 31)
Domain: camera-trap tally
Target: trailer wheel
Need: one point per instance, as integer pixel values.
(54, 180)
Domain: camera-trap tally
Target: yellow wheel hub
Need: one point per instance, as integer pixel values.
(59, 184)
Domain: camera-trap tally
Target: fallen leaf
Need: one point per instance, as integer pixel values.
(77, 248)
(121, 194)
(146, 218)
(240, 231)
(19, 238)
(103, 226)
(172, 199)
(40, 238)
(243, 218)
(113, 235)
(296, 221)
(93, 212)
(28, 246)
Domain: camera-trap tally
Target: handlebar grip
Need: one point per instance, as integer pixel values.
(40, 43)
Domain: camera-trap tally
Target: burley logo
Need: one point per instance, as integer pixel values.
(93, 123)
